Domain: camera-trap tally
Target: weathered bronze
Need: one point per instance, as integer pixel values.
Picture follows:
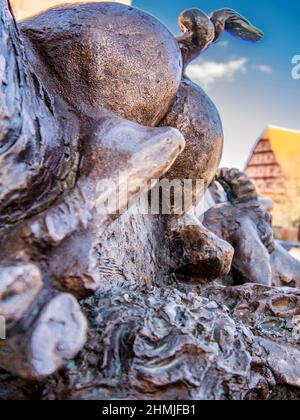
(200, 30)
(96, 95)
(245, 224)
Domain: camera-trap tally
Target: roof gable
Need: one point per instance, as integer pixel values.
(286, 146)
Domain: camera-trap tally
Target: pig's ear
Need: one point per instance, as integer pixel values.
(234, 23)
(251, 257)
(286, 269)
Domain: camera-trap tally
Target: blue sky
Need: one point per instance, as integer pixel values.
(251, 84)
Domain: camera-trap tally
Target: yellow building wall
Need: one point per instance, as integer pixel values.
(26, 8)
(286, 211)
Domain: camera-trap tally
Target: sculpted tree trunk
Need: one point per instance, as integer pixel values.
(85, 109)
(34, 173)
(33, 145)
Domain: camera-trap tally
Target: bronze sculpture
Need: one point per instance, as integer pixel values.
(89, 92)
(200, 31)
(244, 223)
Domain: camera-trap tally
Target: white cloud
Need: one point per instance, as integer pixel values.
(206, 73)
(263, 68)
(224, 44)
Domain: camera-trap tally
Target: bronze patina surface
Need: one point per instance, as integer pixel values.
(91, 96)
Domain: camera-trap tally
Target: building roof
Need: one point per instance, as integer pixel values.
(285, 144)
